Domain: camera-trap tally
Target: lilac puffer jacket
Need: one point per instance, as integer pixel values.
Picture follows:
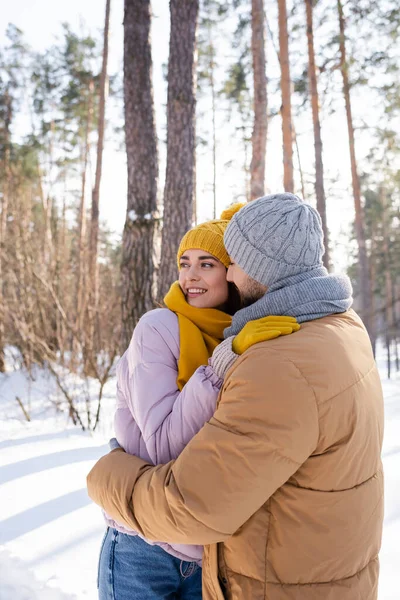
(153, 419)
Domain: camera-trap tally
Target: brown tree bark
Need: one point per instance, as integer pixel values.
(47, 202)
(211, 67)
(180, 175)
(373, 280)
(3, 219)
(81, 294)
(259, 135)
(286, 109)
(388, 297)
(296, 145)
(93, 271)
(319, 167)
(364, 277)
(137, 267)
(94, 223)
(62, 258)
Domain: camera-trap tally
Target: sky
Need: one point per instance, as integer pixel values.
(41, 20)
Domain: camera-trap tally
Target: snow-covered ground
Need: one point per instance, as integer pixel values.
(50, 533)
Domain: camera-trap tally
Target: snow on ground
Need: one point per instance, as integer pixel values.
(19, 583)
(390, 552)
(50, 533)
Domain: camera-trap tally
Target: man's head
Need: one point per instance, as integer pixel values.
(271, 239)
(249, 289)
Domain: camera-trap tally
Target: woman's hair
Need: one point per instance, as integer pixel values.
(234, 303)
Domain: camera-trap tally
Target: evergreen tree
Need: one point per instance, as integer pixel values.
(319, 168)
(259, 136)
(364, 275)
(286, 108)
(137, 267)
(181, 112)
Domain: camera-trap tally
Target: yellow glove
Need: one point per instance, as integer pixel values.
(263, 329)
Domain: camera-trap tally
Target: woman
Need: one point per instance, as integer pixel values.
(166, 392)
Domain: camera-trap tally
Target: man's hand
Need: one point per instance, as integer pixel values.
(262, 330)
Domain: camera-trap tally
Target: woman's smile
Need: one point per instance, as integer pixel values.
(195, 292)
(202, 278)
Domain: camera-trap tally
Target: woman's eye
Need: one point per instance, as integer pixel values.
(207, 265)
(183, 265)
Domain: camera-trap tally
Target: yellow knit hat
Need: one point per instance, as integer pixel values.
(209, 236)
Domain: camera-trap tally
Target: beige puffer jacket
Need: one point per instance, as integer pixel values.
(284, 485)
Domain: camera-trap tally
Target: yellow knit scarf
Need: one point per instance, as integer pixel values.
(200, 331)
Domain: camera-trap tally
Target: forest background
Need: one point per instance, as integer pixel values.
(113, 142)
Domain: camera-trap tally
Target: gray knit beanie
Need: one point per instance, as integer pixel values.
(275, 237)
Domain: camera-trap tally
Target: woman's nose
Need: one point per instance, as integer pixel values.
(192, 274)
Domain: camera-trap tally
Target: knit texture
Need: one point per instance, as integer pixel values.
(306, 296)
(209, 236)
(223, 357)
(275, 237)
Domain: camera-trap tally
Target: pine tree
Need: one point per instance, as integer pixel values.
(286, 108)
(137, 266)
(364, 275)
(93, 299)
(11, 85)
(181, 109)
(319, 168)
(259, 136)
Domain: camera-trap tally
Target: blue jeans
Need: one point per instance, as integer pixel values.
(131, 569)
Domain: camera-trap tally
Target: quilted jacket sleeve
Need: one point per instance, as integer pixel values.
(153, 419)
(265, 427)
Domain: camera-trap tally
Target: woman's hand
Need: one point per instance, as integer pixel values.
(262, 330)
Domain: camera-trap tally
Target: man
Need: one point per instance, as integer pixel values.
(284, 484)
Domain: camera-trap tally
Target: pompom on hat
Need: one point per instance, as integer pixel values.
(209, 236)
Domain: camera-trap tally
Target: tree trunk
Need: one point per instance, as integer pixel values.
(389, 316)
(211, 67)
(286, 109)
(94, 222)
(62, 259)
(3, 219)
(180, 174)
(373, 280)
(365, 284)
(395, 325)
(47, 202)
(296, 145)
(81, 294)
(319, 167)
(259, 136)
(137, 267)
(245, 140)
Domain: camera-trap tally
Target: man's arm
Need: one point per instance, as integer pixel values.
(264, 428)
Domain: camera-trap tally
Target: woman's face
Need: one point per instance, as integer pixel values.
(202, 278)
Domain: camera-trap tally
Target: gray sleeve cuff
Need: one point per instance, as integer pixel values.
(223, 357)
